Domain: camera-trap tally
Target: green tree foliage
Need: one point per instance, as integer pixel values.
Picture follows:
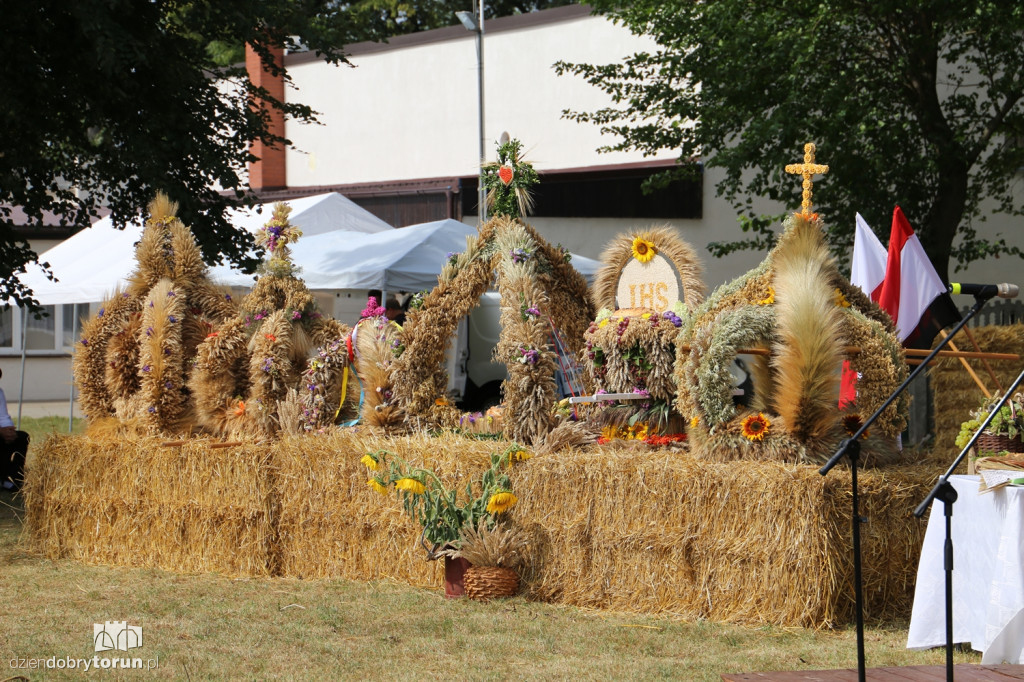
(108, 101)
(915, 102)
(399, 17)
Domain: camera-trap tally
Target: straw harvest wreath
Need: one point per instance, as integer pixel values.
(541, 295)
(631, 347)
(802, 315)
(132, 361)
(247, 365)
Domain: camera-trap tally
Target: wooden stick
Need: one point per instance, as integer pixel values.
(232, 444)
(974, 342)
(963, 361)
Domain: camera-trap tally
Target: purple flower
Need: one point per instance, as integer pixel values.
(85, 342)
(172, 318)
(149, 331)
(296, 315)
(124, 295)
(520, 255)
(151, 409)
(641, 391)
(170, 293)
(260, 315)
(168, 384)
(146, 368)
(533, 311)
(150, 304)
(167, 351)
(100, 313)
(227, 297)
(268, 364)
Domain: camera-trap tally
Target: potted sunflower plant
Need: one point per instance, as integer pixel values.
(1002, 437)
(444, 513)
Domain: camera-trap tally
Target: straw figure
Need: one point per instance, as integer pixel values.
(134, 359)
(805, 315)
(541, 295)
(647, 281)
(363, 357)
(248, 364)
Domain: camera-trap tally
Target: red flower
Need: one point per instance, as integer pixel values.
(270, 337)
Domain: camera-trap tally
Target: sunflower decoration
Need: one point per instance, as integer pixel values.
(644, 250)
(440, 510)
(840, 299)
(852, 423)
(412, 485)
(501, 501)
(755, 426)
(769, 299)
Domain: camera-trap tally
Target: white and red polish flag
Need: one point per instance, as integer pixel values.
(902, 281)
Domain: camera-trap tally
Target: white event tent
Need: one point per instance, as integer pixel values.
(90, 265)
(406, 259)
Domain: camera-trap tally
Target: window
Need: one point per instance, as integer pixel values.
(72, 323)
(56, 332)
(7, 327)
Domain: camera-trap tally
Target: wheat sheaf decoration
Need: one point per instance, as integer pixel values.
(133, 361)
(245, 367)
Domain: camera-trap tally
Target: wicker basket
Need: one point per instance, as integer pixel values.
(488, 582)
(989, 443)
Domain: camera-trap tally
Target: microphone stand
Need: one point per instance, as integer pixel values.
(946, 493)
(850, 447)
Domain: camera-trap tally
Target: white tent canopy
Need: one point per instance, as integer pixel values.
(94, 262)
(406, 259)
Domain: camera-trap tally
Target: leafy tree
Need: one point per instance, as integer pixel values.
(399, 17)
(915, 102)
(108, 101)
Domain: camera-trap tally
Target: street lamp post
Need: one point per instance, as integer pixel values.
(474, 21)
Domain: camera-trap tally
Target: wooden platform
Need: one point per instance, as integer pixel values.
(963, 672)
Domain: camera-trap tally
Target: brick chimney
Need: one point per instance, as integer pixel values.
(269, 171)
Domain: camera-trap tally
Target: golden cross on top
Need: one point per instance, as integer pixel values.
(807, 169)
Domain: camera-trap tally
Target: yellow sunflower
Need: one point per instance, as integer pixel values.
(769, 299)
(378, 486)
(518, 456)
(840, 299)
(411, 484)
(370, 461)
(501, 501)
(643, 250)
(755, 426)
(610, 432)
(694, 422)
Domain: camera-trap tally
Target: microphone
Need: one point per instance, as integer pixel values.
(1003, 290)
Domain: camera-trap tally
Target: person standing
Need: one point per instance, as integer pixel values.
(13, 447)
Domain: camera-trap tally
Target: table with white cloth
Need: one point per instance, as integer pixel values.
(988, 574)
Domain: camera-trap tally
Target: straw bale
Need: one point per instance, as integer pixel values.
(955, 393)
(332, 524)
(762, 543)
(133, 502)
(643, 530)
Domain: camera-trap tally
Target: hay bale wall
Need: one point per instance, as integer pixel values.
(132, 502)
(761, 542)
(637, 530)
(332, 524)
(956, 394)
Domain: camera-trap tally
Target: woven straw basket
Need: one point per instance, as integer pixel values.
(488, 582)
(988, 442)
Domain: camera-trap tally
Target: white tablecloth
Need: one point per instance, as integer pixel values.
(988, 574)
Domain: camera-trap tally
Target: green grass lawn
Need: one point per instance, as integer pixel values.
(38, 428)
(209, 627)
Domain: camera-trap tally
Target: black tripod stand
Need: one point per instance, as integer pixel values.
(851, 448)
(944, 492)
